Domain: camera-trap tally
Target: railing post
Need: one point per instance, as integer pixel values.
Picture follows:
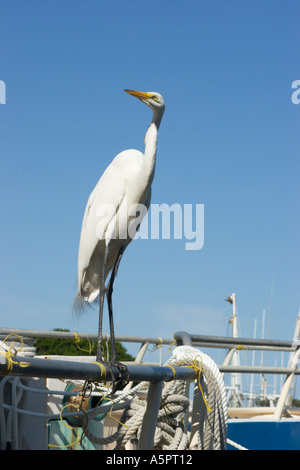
(151, 415)
(286, 386)
(183, 338)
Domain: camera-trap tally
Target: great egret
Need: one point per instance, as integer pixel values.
(109, 214)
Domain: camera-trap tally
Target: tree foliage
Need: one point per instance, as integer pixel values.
(77, 347)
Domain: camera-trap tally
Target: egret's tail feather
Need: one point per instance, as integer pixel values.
(81, 304)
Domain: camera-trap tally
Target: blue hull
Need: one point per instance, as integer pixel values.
(265, 435)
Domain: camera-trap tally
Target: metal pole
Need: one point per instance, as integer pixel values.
(236, 381)
(60, 369)
(225, 341)
(150, 416)
(208, 341)
(258, 369)
(286, 386)
(71, 335)
(252, 377)
(262, 378)
(183, 338)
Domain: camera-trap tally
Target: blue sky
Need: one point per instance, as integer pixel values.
(229, 140)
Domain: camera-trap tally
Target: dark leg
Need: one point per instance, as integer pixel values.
(109, 301)
(122, 370)
(99, 357)
(101, 305)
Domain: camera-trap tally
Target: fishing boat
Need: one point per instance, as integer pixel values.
(183, 403)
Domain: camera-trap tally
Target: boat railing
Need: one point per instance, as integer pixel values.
(140, 371)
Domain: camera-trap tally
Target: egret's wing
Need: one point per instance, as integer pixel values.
(101, 218)
(98, 218)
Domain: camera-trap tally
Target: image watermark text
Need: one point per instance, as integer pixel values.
(162, 221)
(296, 94)
(2, 92)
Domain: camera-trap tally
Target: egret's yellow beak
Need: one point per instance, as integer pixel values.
(141, 95)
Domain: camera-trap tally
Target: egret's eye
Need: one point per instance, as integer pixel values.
(154, 97)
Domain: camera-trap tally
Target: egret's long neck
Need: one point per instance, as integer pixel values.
(151, 146)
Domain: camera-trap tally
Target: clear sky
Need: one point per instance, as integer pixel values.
(229, 140)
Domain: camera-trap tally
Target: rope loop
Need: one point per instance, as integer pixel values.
(11, 356)
(78, 340)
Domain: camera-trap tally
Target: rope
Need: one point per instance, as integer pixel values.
(9, 424)
(209, 419)
(17, 346)
(175, 430)
(237, 446)
(103, 370)
(78, 339)
(10, 352)
(171, 432)
(208, 428)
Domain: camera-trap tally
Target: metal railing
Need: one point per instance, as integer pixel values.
(138, 371)
(148, 372)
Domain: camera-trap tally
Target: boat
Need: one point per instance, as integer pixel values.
(64, 402)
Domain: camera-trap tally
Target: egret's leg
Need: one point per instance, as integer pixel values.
(101, 305)
(123, 375)
(109, 301)
(99, 342)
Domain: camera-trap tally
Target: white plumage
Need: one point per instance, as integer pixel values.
(111, 216)
(120, 187)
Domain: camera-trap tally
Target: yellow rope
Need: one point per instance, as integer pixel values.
(173, 343)
(79, 438)
(103, 370)
(113, 417)
(198, 368)
(173, 370)
(155, 346)
(158, 344)
(78, 407)
(77, 341)
(106, 397)
(10, 356)
(201, 390)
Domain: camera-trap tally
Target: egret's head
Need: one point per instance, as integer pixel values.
(152, 99)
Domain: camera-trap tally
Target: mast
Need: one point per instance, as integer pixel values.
(236, 382)
(253, 360)
(263, 380)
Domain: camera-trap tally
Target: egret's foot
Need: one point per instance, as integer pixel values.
(119, 374)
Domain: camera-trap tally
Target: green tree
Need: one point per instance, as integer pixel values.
(77, 347)
(296, 402)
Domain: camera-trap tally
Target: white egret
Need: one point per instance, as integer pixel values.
(110, 220)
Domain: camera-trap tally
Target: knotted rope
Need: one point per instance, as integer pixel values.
(209, 417)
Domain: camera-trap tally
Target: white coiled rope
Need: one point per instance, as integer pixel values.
(15, 347)
(209, 416)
